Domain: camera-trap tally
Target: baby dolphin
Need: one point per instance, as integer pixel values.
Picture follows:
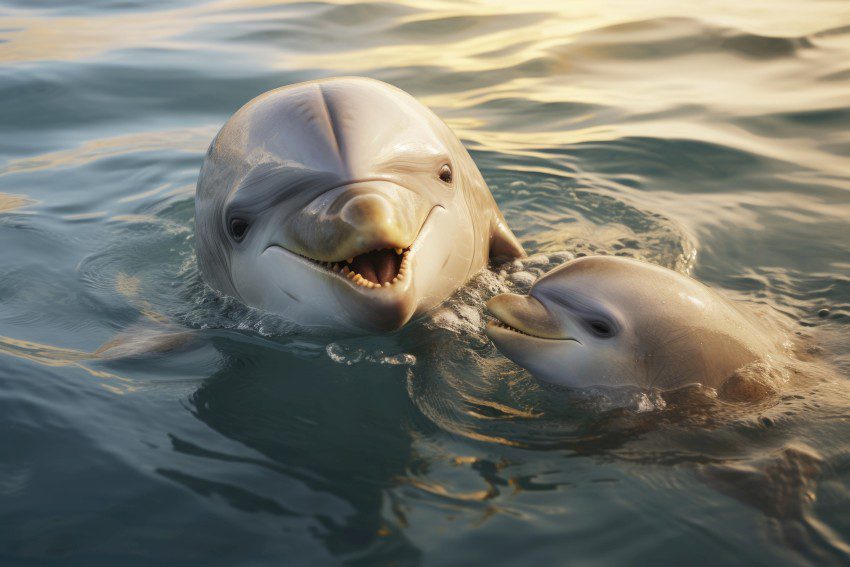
(343, 203)
(612, 321)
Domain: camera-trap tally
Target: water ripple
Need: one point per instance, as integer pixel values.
(711, 138)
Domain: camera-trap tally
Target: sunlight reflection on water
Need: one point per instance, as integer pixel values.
(710, 137)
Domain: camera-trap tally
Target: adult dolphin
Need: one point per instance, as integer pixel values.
(612, 321)
(343, 203)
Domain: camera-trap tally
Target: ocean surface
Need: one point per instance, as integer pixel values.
(710, 137)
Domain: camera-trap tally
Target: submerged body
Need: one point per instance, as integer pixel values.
(343, 203)
(611, 321)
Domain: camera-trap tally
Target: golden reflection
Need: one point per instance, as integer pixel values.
(10, 203)
(440, 490)
(30, 36)
(144, 195)
(85, 216)
(165, 225)
(507, 411)
(184, 139)
(143, 219)
(475, 436)
(457, 500)
(128, 287)
(56, 356)
(537, 51)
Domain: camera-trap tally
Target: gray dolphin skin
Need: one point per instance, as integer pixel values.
(344, 204)
(612, 321)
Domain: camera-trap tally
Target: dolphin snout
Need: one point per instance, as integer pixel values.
(373, 213)
(527, 314)
(357, 218)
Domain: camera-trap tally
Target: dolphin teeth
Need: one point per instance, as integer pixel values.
(503, 325)
(346, 268)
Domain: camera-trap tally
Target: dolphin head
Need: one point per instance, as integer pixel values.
(341, 203)
(612, 321)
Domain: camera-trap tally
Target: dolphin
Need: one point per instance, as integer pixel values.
(343, 204)
(612, 321)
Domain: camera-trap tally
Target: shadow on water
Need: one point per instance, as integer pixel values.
(315, 421)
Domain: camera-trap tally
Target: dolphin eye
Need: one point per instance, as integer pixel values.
(238, 228)
(601, 329)
(446, 173)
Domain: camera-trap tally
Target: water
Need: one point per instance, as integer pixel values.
(713, 138)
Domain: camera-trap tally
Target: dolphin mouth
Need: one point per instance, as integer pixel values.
(372, 269)
(494, 324)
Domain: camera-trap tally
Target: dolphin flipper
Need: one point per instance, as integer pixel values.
(145, 340)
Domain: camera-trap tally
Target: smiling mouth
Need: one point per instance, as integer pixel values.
(374, 269)
(499, 324)
(502, 325)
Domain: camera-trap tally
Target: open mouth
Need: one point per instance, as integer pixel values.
(374, 269)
